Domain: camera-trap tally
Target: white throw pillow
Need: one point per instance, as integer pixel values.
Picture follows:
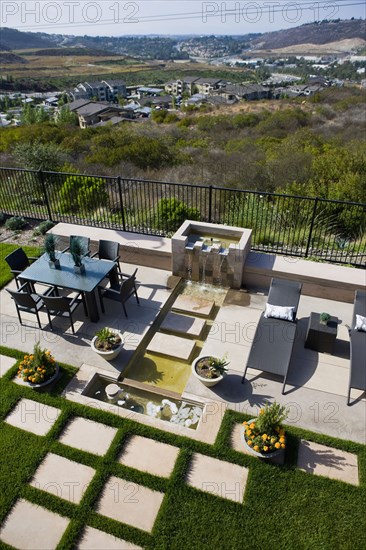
(360, 323)
(279, 312)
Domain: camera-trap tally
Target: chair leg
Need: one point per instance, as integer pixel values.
(18, 312)
(72, 324)
(39, 322)
(124, 309)
(49, 320)
(243, 378)
(349, 396)
(101, 300)
(137, 298)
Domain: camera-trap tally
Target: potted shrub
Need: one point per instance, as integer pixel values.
(50, 244)
(264, 436)
(78, 251)
(209, 370)
(324, 318)
(107, 342)
(38, 368)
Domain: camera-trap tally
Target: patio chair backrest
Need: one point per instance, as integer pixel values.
(108, 250)
(128, 287)
(285, 293)
(57, 303)
(23, 299)
(17, 260)
(359, 307)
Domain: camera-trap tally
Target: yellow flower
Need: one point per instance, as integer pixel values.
(31, 357)
(282, 439)
(245, 423)
(250, 442)
(248, 432)
(264, 437)
(256, 448)
(261, 411)
(252, 426)
(278, 445)
(283, 446)
(265, 448)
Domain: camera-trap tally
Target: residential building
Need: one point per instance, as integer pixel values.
(105, 90)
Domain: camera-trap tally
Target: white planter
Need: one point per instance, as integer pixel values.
(208, 382)
(252, 451)
(108, 355)
(49, 381)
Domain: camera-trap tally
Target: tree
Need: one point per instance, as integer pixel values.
(65, 116)
(39, 156)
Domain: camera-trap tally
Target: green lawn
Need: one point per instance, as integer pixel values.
(5, 249)
(283, 507)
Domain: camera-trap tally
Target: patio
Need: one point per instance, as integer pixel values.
(317, 382)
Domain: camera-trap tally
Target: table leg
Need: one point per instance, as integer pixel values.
(91, 306)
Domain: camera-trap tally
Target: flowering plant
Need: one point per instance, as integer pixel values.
(37, 367)
(265, 433)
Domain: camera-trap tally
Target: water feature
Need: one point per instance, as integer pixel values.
(142, 401)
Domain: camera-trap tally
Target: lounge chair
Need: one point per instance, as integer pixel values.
(274, 337)
(357, 377)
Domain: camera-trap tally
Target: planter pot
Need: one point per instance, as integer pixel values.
(80, 269)
(108, 355)
(208, 382)
(252, 451)
(55, 264)
(49, 381)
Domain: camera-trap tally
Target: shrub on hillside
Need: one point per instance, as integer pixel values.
(82, 193)
(15, 223)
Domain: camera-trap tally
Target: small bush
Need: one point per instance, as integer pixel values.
(43, 227)
(15, 223)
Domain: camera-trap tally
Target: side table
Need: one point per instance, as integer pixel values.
(319, 336)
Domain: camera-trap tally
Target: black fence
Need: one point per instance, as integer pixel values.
(321, 229)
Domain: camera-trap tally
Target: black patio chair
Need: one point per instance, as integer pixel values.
(122, 293)
(63, 306)
(357, 376)
(274, 337)
(84, 241)
(29, 302)
(18, 261)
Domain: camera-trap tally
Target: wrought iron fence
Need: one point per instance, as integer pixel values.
(329, 230)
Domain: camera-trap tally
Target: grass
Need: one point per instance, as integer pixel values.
(5, 249)
(283, 506)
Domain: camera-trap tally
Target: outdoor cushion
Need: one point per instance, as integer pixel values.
(360, 323)
(279, 312)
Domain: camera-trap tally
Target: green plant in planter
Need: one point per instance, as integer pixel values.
(78, 251)
(211, 367)
(50, 244)
(107, 340)
(265, 434)
(324, 318)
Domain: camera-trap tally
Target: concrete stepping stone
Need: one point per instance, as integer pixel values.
(217, 477)
(149, 455)
(6, 363)
(33, 417)
(182, 324)
(193, 305)
(87, 435)
(238, 445)
(31, 526)
(93, 539)
(172, 346)
(321, 460)
(62, 477)
(130, 503)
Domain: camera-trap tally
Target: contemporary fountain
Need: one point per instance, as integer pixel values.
(210, 253)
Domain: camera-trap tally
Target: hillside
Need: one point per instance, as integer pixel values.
(8, 58)
(11, 39)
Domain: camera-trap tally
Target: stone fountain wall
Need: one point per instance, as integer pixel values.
(210, 265)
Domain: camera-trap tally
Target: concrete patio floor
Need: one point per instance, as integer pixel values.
(317, 383)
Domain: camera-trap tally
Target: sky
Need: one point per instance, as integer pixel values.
(200, 17)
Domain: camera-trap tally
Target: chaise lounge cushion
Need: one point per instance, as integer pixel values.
(360, 323)
(279, 312)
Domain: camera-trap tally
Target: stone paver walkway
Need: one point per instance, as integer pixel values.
(87, 435)
(149, 455)
(130, 503)
(6, 363)
(327, 461)
(172, 346)
(93, 539)
(193, 305)
(31, 527)
(183, 324)
(217, 477)
(63, 478)
(33, 417)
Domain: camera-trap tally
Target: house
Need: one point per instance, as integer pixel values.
(249, 92)
(93, 112)
(144, 91)
(179, 86)
(206, 85)
(105, 90)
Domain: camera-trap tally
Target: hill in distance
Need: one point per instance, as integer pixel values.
(11, 39)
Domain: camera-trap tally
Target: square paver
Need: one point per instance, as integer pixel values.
(33, 417)
(149, 455)
(194, 305)
(130, 503)
(183, 324)
(31, 527)
(62, 477)
(217, 477)
(6, 363)
(93, 539)
(327, 461)
(238, 445)
(172, 346)
(87, 435)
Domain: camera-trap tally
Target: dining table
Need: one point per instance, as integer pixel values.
(65, 277)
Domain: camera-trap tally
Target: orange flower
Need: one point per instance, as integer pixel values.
(283, 446)
(264, 437)
(256, 448)
(248, 432)
(278, 445)
(282, 439)
(250, 442)
(252, 426)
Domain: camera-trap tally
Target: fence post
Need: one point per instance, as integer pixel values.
(119, 183)
(210, 203)
(311, 227)
(43, 185)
